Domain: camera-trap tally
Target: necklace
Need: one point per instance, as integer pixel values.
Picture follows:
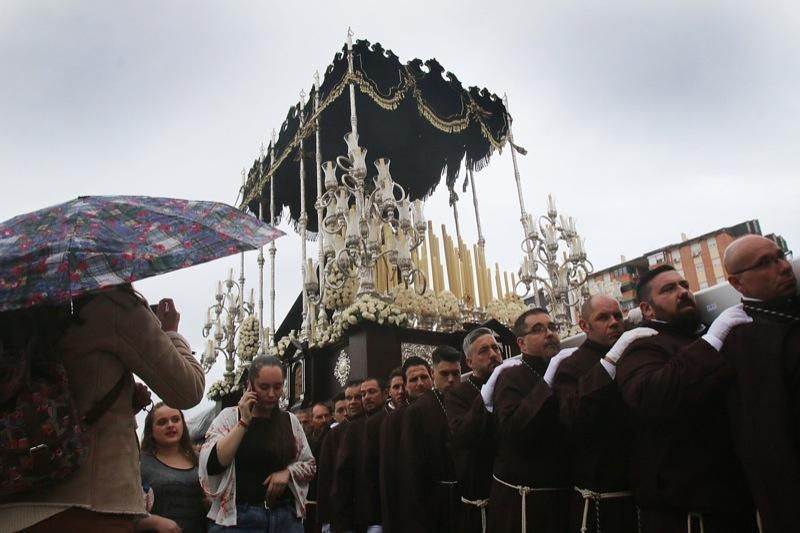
(469, 380)
(535, 373)
(770, 312)
(436, 395)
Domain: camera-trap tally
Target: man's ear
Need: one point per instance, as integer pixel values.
(647, 311)
(583, 325)
(521, 344)
(735, 283)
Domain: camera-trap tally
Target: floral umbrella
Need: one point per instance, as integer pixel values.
(54, 254)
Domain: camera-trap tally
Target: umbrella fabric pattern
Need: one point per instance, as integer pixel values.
(54, 254)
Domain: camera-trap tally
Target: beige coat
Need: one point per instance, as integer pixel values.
(118, 335)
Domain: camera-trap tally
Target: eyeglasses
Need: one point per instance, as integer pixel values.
(768, 261)
(540, 329)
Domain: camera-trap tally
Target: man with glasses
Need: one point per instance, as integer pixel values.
(765, 399)
(472, 429)
(685, 473)
(530, 489)
(599, 424)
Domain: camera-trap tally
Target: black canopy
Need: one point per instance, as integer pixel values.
(415, 114)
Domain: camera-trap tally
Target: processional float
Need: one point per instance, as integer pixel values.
(379, 290)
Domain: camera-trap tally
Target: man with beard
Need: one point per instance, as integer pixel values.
(428, 480)
(326, 471)
(350, 502)
(397, 389)
(320, 423)
(531, 490)
(417, 373)
(765, 399)
(684, 469)
(598, 423)
(472, 429)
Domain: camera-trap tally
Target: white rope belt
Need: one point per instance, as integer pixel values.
(480, 504)
(590, 495)
(311, 502)
(699, 517)
(523, 492)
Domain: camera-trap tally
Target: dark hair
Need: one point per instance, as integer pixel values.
(519, 323)
(264, 361)
(338, 398)
(150, 446)
(473, 335)
(414, 360)
(353, 383)
(323, 404)
(395, 373)
(643, 288)
(381, 383)
(445, 353)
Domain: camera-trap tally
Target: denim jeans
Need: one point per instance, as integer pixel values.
(259, 519)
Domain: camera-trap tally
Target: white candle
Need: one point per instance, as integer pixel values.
(230, 275)
(208, 317)
(219, 288)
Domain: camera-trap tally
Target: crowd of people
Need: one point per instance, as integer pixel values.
(665, 428)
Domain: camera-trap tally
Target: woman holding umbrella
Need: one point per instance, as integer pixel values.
(105, 338)
(256, 462)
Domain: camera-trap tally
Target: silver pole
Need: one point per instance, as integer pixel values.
(322, 318)
(481, 240)
(454, 202)
(522, 213)
(241, 266)
(303, 221)
(260, 278)
(272, 249)
(350, 71)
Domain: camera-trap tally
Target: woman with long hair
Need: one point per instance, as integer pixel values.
(169, 469)
(256, 462)
(103, 338)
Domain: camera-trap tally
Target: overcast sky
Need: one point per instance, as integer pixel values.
(644, 119)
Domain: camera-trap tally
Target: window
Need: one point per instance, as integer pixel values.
(655, 259)
(703, 285)
(717, 263)
(676, 257)
(712, 247)
(696, 249)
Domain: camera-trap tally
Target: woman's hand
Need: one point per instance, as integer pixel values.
(168, 315)
(276, 485)
(246, 404)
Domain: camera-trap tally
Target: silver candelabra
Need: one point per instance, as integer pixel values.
(361, 215)
(226, 317)
(565, 279)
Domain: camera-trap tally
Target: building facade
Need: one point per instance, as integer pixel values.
(697, 259)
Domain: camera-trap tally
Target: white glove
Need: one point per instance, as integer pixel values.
(555, 361)
(487, 391)
(625, 340)
(725, 322)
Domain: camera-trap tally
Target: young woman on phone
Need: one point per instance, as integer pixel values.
(256, 463)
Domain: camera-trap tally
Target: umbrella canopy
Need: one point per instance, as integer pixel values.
(54, 254)
(416, 114)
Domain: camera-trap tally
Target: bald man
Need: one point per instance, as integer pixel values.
(599, 425)
(764, 401)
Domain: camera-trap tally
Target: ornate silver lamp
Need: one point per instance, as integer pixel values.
(565, 278)
(228, 317)
(366, 220)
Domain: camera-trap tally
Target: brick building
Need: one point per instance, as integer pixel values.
(699, 260)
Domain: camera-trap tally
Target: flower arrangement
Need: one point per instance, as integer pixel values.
(340, 298)
(448, 306)
(247, 347)
(406, 299)
(219, 389)
(428, 306)
(279, 350)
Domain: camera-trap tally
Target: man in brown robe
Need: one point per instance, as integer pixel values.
(320, 421)
(598, 423)
(764, 400)
(350, 499)
(428, 475)
(530, 490)
(397, 388)
(684, 469)
(326, 471)
(417, 373)
(472, 430)
(368, 492)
